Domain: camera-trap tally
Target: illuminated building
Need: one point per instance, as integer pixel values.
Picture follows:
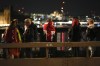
(5, 17)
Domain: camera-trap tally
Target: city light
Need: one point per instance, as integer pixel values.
(62, 8)
(19, 10)
(63, 2)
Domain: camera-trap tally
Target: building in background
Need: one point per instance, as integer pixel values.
(5, 17)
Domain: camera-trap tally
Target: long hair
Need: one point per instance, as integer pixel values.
(12, 24)
(75, 21)
(50, 25)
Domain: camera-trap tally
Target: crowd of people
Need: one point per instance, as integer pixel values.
(16, 34)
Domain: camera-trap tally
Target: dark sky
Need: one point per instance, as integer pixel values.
(74, 7)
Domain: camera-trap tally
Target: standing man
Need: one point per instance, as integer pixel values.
(30, 35)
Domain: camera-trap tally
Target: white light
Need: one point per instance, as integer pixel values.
(63, 2)
(86, 16)
(39, 18)
(4, 24)
(35, 19)
(19, 10)
(94, 16)
(62, 11)
(34, 14)
(62, 8)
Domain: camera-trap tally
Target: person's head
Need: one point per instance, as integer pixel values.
(13, 24)
(90, 21)
(75, 17)
(49, 20)
(16, 20)
(28, 21)
(75, 21)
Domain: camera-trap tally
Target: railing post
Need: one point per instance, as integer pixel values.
(87, 52)
(47, 51)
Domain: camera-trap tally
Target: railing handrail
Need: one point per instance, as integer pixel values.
(49, 44)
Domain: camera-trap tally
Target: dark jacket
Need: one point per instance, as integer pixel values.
(31, 33)
(76, 33)
(91, 33)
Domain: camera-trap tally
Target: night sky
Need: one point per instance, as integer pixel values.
(74, 7)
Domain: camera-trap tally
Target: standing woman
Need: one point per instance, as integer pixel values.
(76, 35)
(49, 30)
(12, 35)
(76, 30)
(90, 32)
(91, 35)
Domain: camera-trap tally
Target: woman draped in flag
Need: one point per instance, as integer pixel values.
(12, 35)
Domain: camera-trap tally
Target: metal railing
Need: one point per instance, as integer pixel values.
(72, 61)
